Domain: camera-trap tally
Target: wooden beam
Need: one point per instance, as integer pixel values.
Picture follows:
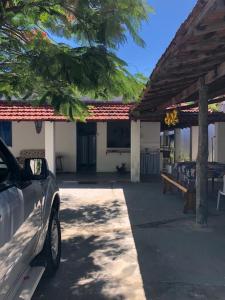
(188, 68)
(210, 77)
(216, 27)
(203, 62)
(202, 159)
(218, 14)
(202, 46)
(198, 50)
(176, 184)
(207, 7)
(202, 9)
(171, 85)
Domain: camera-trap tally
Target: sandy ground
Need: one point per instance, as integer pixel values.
(99, 258)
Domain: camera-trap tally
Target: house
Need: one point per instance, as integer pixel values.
(109, 138)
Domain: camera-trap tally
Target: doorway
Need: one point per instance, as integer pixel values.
(86, 147)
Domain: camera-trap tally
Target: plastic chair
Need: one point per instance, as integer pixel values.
(221, 193)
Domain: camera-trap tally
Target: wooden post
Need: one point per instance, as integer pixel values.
(202, 159)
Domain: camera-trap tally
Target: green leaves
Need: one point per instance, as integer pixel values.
(33, 67)
(107, 21)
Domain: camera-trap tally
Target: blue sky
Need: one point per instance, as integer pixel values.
(157, 33)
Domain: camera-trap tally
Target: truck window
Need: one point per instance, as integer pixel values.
(4, 170)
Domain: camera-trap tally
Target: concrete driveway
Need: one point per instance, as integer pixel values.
(99, 258)
(165, 256)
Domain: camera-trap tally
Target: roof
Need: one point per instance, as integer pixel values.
(198, 50)
(109, 111)
(193, 107)
(188, 114)
(189, 118)
(20, 111)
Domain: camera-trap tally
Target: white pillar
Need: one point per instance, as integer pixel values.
(219, 152)
(194, 142)
(50, 145)
(177, 145)
(135, 150)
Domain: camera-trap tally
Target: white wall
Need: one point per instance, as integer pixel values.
(24, 137)
(220, 142)
(65, 144)
(211, 132)
(50, 153)
(107, 162)
(150, 135)
(177, 144)
(194, 142)
(185, 144)
(135, 150)
(182, 144)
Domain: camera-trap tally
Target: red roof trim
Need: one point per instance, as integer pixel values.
(20, 111)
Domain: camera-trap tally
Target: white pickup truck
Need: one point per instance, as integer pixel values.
(30, 238)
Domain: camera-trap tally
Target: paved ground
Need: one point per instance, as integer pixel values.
(177, 259)
(99, 258)
(173, 259)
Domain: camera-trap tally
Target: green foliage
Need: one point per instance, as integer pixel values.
(34, 67)
(214, 107)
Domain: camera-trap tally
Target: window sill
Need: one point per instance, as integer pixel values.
(118, 150)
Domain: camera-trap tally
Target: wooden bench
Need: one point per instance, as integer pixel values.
(189, 194)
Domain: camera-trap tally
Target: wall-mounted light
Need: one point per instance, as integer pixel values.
(38, 126)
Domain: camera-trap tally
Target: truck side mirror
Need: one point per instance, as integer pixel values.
(35, 169)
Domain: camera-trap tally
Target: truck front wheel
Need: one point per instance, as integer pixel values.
(52, 247)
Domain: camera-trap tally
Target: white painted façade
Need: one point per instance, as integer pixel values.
(108, 139)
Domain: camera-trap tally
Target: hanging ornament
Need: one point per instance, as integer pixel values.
(38, 126)
(171, 118)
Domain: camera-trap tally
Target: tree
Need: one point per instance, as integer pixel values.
(35, 67)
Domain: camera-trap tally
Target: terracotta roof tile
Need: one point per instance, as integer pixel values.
(18, 111)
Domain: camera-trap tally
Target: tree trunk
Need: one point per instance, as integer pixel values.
(202, 160)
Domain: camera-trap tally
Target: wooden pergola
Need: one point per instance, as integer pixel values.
(188, 115)
(192, 69)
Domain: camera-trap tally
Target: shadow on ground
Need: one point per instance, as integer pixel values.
(91, 214)
(85, 254)
(177, 260)
(77, 277)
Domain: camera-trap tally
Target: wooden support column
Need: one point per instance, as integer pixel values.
(202, 159)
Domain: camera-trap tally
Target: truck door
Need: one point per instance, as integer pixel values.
(32, 195)
(20, 222)
(11, 220)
